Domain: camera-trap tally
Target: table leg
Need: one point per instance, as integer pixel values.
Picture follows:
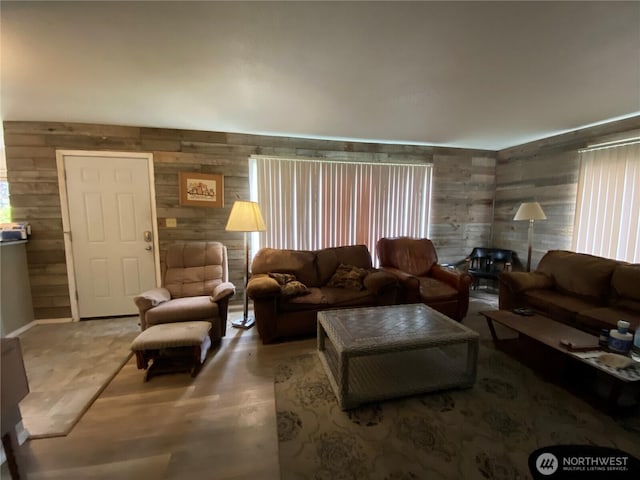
(321, 337)
(343, 372)
(492, 329)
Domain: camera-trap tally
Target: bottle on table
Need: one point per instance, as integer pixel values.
(635, 348)
(620, 340)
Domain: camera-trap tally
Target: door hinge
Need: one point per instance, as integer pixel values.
(77, 297)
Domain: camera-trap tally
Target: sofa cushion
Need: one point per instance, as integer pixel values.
(412, 255)
(315, 299)
(625, 284)
(171, 335)
(329, 259)
(300, 263)
(557, 305)
(578, 273)
(194, 268)
(607, 317)
(347, 276)
(356, 255)
(341, 297)
(327, 297)
(626, 304)
(432, 290)
(187, 309)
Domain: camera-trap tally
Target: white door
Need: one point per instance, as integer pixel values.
(111, 231)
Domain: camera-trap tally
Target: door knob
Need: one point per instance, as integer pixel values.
(148, 248)
(147, 236)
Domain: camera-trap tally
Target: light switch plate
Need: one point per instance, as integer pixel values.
(171, 222)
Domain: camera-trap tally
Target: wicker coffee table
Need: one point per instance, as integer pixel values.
(378, 353)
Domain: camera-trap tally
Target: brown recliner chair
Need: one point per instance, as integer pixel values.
(195, 287)
(415, 263)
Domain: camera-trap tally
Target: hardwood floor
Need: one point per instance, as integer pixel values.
(220, 425)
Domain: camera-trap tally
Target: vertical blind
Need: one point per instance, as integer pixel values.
(5, 209)
(608, 207)
(311, 204)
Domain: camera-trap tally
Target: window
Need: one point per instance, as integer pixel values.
(608, 207)
(5, 209)
(312, 204)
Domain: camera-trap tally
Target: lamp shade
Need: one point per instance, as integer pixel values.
(245, 217)
(530, 211)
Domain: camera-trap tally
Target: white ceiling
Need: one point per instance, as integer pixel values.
(465, 74)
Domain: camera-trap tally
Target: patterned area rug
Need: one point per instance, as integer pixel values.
(488, 431)
(68, 365)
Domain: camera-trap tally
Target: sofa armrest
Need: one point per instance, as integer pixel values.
(223, 291)
(151, 298)
(409, 291)
(518, 282)
(461, 281)
(378, 280)
(512, 285)
(408, 280)
(262, 285)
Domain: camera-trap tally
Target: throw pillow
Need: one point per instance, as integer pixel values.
(289, 286)
(348, 276)
(282, 278)
(294, 288)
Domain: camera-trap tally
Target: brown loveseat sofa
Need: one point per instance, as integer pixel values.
(328, 281)
(585, 291)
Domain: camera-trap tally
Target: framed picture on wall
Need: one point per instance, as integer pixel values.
(201, 189)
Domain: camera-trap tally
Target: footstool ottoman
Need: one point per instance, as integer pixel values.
(171, 347)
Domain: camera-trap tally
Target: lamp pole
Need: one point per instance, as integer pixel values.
(245, 217)
(530, 244)
(245, 319)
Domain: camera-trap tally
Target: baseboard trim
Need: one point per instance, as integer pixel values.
(45, 321)
(40, 321)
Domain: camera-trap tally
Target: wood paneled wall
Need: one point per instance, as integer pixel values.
(546, 171)
(462, 203)
(462, 208)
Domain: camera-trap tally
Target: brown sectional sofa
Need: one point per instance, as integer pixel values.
(279, 316)
(582, 290)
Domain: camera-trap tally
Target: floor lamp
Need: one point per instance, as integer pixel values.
(245, 217)
(530, 211)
